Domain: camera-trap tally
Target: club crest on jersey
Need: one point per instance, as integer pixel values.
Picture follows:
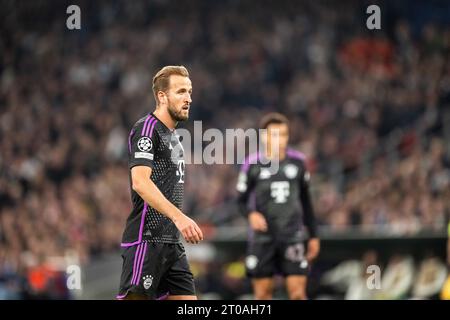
(148, 280)
(290, 171)
(264, 174)
(145, 144)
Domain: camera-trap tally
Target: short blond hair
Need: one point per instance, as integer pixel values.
(161, 80)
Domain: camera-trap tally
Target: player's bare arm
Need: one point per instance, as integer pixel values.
(146, 188)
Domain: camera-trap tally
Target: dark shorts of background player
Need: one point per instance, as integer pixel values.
(155, 270)
(266, 259)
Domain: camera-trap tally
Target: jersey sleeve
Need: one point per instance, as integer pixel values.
(306, 202)
(244, 187)
(142, 145)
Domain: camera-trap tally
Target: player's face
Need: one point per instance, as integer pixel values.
(179, 97)
(277, 137)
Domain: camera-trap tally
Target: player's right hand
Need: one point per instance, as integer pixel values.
(189, 229)
(257, 221)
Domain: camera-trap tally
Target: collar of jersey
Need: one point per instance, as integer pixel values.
(162, 123)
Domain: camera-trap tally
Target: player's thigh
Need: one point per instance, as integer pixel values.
(263, 286)
(296, 286)
(260, 261)
(178, 281)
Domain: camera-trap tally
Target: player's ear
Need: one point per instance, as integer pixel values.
(162, 97)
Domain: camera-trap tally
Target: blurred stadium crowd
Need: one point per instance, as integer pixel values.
(369, 110)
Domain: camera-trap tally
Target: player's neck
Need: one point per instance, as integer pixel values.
(165, 118)
(271, 155)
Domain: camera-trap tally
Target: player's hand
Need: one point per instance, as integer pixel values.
(188, 228)
(313, 249)
(257, 221)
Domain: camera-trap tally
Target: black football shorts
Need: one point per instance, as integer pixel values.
(265, 259)
(156, 270)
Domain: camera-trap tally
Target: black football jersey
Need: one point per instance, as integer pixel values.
(282, 197)
(151, 143)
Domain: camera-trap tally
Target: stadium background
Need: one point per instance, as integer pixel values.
(370, 109)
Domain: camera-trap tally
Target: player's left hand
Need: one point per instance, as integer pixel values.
(313, 249)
